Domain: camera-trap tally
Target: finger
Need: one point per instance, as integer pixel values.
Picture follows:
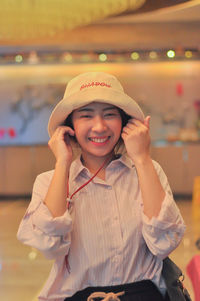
(131, 124)
(135, 125)
(127, 130)
(67, 130)
(124, 135)
(67, 139)
(134, 122)
(147, 121)
(141, 124)
(71, 131)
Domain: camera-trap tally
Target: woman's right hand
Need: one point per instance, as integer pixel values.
(60, 144)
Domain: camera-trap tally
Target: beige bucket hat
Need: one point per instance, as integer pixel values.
(89, 87)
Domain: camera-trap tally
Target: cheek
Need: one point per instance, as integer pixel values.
(80, 131)
(76, 129)
(119, 127)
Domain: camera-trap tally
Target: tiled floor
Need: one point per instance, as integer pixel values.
(23, 270)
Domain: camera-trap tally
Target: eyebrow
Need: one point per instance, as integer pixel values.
(85, 110)
(109, 108)
(92, 110)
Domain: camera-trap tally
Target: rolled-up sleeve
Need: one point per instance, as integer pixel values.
(164, 232)
(39, 229)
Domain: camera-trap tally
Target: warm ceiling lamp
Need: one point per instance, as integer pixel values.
(29, 19)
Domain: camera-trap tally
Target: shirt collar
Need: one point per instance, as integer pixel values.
(124, 159)
(77, 167)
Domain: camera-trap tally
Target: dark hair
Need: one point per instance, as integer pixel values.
(119, 147)
(125, 117)
(68, 121)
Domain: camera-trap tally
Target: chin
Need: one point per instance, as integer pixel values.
(99, 155)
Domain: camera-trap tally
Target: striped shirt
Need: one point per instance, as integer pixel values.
(107, 237)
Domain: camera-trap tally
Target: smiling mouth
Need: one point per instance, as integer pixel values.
(99, 140)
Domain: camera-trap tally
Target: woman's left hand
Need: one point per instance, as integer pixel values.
(136, 138)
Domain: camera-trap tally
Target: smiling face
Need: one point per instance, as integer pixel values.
(97, 128)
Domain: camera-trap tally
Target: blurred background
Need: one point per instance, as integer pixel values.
(153, 47)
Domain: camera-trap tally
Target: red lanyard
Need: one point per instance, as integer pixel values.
(69, 198)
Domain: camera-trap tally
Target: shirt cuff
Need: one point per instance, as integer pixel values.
(53, 226)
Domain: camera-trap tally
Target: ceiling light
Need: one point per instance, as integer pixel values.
(171, 54)
(135, 55)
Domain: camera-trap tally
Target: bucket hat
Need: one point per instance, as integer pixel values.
(89, 87)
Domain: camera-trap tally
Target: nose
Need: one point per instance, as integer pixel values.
(99, 125)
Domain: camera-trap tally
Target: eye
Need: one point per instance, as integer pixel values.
(86, 116)
(110, 114)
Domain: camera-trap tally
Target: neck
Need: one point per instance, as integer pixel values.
(93, 164)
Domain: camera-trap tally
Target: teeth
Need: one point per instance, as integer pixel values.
(98, 140)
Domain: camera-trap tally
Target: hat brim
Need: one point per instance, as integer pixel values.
(82, 98)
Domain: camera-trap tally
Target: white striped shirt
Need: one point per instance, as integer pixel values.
(107, 237)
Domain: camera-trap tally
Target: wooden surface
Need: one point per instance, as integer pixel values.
(21, 164)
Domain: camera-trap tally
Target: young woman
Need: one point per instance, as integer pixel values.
(107, 218)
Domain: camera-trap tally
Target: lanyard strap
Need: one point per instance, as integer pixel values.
(69, 198)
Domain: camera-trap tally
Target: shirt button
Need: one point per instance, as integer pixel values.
(116, 258)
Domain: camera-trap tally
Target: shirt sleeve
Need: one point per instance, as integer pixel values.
(164, 232)
(39, 229)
